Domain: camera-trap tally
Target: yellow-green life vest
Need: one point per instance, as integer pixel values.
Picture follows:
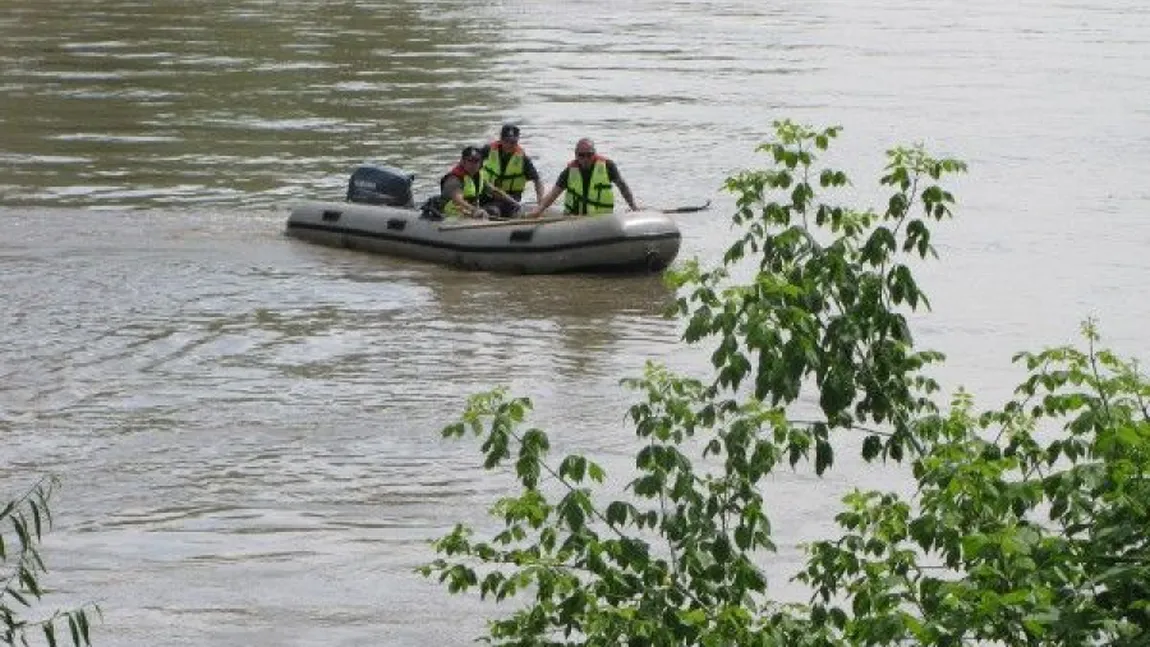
(471, 191)
(597, 199)
(512, 178)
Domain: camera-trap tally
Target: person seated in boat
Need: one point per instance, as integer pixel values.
(463, 187)
(507, 167)
(587, 179)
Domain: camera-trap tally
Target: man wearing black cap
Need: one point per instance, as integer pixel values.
(508, 168)
(463, 188)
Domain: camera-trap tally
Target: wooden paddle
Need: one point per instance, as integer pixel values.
(513, 222)
(535, 221)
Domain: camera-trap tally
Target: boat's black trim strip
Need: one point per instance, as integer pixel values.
(489, 249)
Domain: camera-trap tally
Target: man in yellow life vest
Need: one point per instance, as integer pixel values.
(507, 167)
(462, 188)
(587, 180)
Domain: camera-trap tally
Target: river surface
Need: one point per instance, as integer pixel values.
(246, 426)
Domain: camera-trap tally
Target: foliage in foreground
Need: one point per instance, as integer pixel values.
(22, 523)
(1028, 525)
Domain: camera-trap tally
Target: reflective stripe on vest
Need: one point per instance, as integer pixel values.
(511, 178)
(471, 191)
(599, 198)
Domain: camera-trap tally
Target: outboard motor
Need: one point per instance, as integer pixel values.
(381, 185)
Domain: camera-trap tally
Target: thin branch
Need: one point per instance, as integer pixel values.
(1098, 382)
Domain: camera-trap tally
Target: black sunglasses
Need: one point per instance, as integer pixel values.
(585, 154)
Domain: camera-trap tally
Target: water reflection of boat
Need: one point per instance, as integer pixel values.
(571, 325)
(562, 299)
(382, 220)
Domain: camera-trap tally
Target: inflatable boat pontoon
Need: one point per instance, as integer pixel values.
(378, 216)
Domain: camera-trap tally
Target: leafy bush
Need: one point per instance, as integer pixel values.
(22, 524)
(1028, 525)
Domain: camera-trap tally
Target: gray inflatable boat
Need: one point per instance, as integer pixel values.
(370, 220)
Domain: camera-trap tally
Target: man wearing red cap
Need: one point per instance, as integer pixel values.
(508, 168)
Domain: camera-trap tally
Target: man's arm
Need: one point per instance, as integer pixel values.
(546, 200)
(499, 193)
(464, 207)
(533, 174)
(617, 177)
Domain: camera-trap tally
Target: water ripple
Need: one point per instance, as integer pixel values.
(249, 426)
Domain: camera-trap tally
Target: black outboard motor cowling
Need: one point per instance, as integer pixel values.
(381, 185)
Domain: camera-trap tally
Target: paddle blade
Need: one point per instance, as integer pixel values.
(688, 209)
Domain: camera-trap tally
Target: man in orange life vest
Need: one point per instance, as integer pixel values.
(462, 188)
(587, 180)
(507, 167)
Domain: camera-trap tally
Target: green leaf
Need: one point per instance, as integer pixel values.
(824, 456)
(85, 629)
(618, 512)
(36, 520)
(573, 468)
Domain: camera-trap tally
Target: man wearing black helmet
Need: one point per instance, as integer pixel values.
(463, 189)
(507, 167)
